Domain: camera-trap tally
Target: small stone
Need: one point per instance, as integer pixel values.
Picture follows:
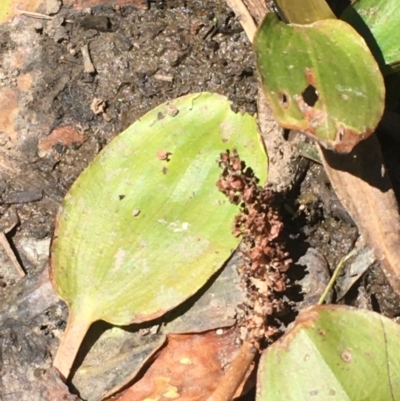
(60, 34)
(98, 106)
(61, 136)
(52, 6)
(107, 117)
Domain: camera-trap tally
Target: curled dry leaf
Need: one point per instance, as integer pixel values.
(188, 368)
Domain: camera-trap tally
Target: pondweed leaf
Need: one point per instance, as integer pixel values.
(320, 79)
(333, 353)
(144, 226)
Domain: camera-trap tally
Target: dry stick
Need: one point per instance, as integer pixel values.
(35, 15)
(246, 20)
(10, 253)
(88, 66)
(258, 9)
(235, 374)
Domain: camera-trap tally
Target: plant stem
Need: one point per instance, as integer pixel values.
(74, 334)
(235, 374)
(335, 275)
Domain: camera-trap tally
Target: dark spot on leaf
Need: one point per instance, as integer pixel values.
(310, 95)
(121, 197)
(340, 133)
(284, 99)
(346, 356)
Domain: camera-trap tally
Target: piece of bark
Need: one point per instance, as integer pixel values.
(27, 196)
(26, 372)
(362, 184)
(29, 298)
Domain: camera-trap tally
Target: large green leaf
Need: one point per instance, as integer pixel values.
(320, 79)
(144, 226)
(333, 353)
(378, 21)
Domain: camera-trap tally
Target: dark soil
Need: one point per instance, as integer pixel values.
(58, 117)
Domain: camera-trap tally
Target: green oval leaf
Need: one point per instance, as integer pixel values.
(320, 79)
(378, 22)
(144, 226)
(333, 353)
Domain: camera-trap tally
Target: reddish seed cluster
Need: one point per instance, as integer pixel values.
(265, 261)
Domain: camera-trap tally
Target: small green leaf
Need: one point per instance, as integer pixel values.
(304, 12)
(378, 22)
(320, 79)
(144, 226)
(333, 353)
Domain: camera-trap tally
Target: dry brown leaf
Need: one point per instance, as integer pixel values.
(188, 368)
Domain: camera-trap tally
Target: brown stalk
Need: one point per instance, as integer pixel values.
(71, 341)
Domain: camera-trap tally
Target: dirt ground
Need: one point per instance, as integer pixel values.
(58, 113)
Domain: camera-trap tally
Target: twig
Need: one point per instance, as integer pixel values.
(246, 20)
(88, 66)
(35, 15)
(10, 253)
(235, 374)
(163, 77)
